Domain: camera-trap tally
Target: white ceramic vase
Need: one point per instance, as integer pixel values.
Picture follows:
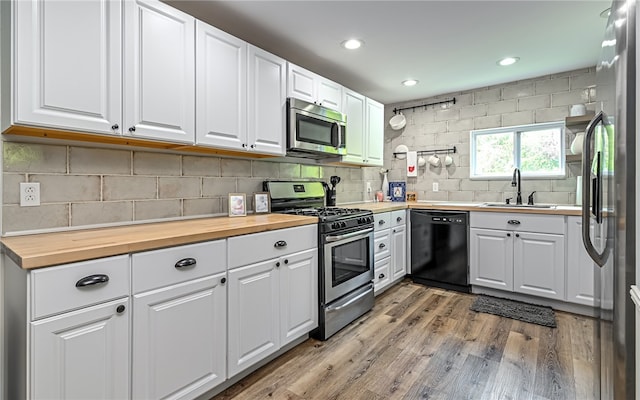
(385, 186)
(576, 145)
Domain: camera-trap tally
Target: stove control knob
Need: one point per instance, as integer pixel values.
(343, 224)
(360, 220)
(335, 225)
(369, 219)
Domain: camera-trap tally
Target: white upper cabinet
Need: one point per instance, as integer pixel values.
(309, 86)
(159, 73)
(365, 129)
(221, 90)
(67, 65)
(354, 106)
(374, 133)
(267, 101)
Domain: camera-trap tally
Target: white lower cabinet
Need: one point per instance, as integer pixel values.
(390, 249)
(179, 320)
(581, 269)
(83, 354)
(273, 293)
(271, 303)
(519, 253)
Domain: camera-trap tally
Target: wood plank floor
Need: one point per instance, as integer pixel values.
(425, 343)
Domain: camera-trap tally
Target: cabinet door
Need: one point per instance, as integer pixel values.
(254, 321)
(329, 93)
(580, 267)
(298, 295)
(374, 132)
(179, 339)
(159, 72)
(353, 106)
(399, 251)
(491, 258)
(82, 354)
(221, 90)
(68, 64)
(300, 83)
(539, 264)
(267, 102)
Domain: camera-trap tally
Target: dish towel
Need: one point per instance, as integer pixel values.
(412, 163)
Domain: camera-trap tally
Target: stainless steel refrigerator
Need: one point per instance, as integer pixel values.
(609, 205)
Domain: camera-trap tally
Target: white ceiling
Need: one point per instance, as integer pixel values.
(448, 46)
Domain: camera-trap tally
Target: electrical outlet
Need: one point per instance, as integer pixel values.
(368, 187)
(435, 186)
(29, 194)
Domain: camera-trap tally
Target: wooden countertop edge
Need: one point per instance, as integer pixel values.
(391, 206)
(106, 242)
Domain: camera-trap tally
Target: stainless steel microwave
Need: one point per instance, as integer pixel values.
(314, 131)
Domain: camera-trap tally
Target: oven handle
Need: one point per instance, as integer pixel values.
(335, 238)
(348, 303)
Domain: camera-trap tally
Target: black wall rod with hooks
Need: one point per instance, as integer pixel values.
(397, 110)
(435, 151)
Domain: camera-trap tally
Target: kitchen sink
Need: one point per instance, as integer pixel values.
(519, 205)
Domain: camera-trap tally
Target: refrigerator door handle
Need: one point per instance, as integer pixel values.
(598, 257)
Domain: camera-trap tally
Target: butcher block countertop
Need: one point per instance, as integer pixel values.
(42, 250)
(460, 206)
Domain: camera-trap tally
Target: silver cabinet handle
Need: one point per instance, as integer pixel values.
(92, 280)
(280, 244)
(185, 262)
(335, 238)
(382, 245)
(513, 222)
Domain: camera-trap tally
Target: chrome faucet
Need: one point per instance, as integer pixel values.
(516, 183)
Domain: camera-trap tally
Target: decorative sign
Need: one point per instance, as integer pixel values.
(397, 191)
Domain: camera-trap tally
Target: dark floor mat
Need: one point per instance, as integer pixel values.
(540, 315)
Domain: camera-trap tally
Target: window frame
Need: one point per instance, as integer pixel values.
(517, 130)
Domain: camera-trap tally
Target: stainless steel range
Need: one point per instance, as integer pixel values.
(345, 237)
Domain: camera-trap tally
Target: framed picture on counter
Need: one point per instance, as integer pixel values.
(397, 191)
(237, 205)
(261, 202)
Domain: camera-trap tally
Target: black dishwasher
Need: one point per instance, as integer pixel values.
(439, 249)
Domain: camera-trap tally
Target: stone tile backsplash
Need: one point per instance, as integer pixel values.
(544, 99)
(83, 186)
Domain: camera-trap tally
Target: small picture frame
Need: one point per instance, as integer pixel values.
(261, 202)
(398, 191)
(412, 196)
(237, 205)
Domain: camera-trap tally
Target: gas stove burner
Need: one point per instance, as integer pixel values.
(327, 213)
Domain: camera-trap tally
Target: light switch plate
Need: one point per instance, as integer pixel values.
(435, 186)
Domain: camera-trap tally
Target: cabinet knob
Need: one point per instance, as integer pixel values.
(223, 281)
(186, 262)
(382, 245)
(508, 235)
(244, 145)
(277, 264)
(381, 222)
(398, 219)
(115, 127)
(120, 309)
(92, 280)
(286, 261)
(381, 276)
(280, 244)
(253, 146)
(132, 129)
(517, 235)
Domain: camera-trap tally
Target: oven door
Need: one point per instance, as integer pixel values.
(348, 262)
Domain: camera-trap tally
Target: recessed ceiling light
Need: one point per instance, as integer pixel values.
(508, 61)
(352, 44)
(605, 13)
(410, 82)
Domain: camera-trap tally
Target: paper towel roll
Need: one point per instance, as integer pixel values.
(412, 163)
(578, 190)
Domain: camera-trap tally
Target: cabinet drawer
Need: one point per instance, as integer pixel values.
(398, 218)
(382, 274)
(381, 245)
(157, 268)
(382, 221)
(248, 249)
(519, 222)
(54, 290)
